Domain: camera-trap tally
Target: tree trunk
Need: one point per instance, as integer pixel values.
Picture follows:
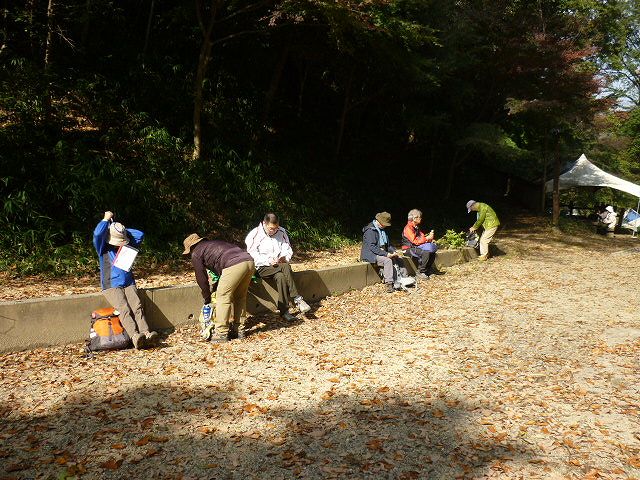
(545, 155)
(273, 86)
(5, 29)
(47, 61)
(148, 32)
(556, 185)
(345, 111)
(32, 35)
(47, 50)
(86, 26)
(543, 194)
(303, 81)
(450, 177)
(203, 62)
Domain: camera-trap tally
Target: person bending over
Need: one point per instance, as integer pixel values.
(234, 268)
(488, 220)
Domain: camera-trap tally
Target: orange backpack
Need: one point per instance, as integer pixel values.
(107, 333)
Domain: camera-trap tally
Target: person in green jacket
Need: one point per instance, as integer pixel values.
(488, 220)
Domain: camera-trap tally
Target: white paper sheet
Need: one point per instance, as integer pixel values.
(125, 257)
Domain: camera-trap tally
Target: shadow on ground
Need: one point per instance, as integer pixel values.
(183, 432)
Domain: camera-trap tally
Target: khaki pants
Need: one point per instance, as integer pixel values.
(231, 296)
(127, 302)
(485, 239)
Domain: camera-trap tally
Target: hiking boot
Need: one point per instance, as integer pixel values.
(483, 258)
(236, 332)
(151, 338)
(289, 317)
(389, 287)
(219, 337)
(139, 340)
(302, 305)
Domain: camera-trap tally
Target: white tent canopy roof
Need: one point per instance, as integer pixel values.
(583, 173)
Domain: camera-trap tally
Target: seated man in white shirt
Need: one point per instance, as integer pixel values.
(270, 248)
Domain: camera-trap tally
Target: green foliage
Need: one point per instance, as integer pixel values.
(319, 236)
(305, 104)
(452, 240)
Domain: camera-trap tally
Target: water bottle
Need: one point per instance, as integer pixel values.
(206, 313)
(206, 325)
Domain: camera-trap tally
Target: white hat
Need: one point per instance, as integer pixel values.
(117, 234)
(469, 205)
(609, 209)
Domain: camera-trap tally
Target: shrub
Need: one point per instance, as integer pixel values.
(452, 240)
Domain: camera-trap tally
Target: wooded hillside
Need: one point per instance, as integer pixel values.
(183, 116)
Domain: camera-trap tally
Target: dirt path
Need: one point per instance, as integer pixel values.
(525, 366)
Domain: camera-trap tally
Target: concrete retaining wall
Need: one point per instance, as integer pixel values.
(27, 324)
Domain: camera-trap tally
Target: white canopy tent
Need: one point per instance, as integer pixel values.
(583, 173)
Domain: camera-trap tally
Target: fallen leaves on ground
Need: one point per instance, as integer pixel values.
(525, 366)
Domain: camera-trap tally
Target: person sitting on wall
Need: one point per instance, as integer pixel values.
(271, 250)
(419, 245)
(119, 286)
(377, 250)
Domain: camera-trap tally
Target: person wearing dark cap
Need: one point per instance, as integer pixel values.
(376, 248)
(119, 286)
(234, 267)
(488, 220)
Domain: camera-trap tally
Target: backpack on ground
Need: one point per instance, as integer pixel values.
(107, 333)
(403, 280)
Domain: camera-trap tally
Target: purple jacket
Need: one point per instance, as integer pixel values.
(214, 255)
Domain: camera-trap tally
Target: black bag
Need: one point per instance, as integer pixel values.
(473, 240)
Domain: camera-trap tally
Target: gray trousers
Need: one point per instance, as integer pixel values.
(127, 302)
(283, 276)
(386, 263)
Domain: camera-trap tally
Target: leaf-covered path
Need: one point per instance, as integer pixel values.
(525, 366)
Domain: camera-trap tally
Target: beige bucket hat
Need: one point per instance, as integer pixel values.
(190, 241)
(117, 235)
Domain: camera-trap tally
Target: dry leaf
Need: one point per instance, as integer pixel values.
(112, 464)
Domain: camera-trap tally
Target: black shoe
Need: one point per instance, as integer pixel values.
(389, 287)
(151, 338)
(139, 341)
(236, 333)
(218, 338)
(289, 317)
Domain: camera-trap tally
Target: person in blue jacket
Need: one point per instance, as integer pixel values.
(377, 249)
(119, 286)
